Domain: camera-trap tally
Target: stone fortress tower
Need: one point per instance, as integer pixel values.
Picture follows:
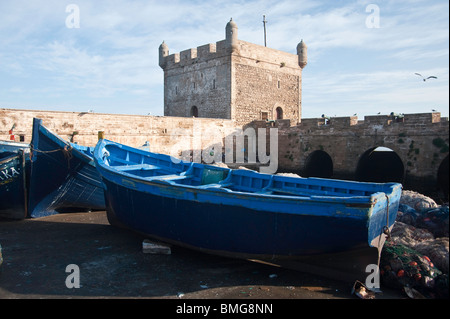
(233, 79)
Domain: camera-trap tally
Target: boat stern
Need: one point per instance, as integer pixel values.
(382, 217)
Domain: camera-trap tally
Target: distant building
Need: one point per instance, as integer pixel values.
(233, 79)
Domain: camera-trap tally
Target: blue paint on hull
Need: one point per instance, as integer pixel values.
(232, 230)
(14, 173)
(241, 213)
(63, 175)
(13, 186)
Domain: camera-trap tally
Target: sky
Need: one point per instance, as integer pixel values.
(80, 55)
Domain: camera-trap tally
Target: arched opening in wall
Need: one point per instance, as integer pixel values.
(318, 164)
(442, 176)
(380, 164)
(194, 111)
(279, 113)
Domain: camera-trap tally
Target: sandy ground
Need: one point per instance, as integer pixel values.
(111, 264)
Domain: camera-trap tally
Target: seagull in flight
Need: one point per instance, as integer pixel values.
(424, 79)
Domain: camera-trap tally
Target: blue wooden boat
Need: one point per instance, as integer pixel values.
(63, 175)
(14, 172)
(242, 213)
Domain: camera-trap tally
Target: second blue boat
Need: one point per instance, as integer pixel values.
(63, 175)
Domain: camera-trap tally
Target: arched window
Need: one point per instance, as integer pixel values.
(194, 111)
(279, 115)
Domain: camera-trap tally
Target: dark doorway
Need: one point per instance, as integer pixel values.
(380, 164)
(194, 111)
(279, 111)
(318, 164)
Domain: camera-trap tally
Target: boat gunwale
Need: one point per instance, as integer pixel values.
(18, 145)
(9, 158)
(363, 201)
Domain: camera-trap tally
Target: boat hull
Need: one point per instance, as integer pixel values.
(220, 218)
(63, 176)
(14, 175)
(13, 185)
(231, 230)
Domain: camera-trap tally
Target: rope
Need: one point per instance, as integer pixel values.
(39, 151)
(67, 152)
(386, 230)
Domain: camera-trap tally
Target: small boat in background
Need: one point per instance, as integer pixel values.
(14, 172)
(63, 175)
(8, 148)
(242, 213)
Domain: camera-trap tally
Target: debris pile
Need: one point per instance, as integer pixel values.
(416, 257)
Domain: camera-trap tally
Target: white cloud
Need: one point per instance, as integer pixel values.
(114, 53)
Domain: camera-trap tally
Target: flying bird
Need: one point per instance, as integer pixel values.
(424, 79)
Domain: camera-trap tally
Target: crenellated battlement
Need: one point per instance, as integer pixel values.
(370, 120)
(233, 46)
(259, 54)
(194, 55)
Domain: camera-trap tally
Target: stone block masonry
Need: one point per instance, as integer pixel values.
(233, 79)
(263, 92)
(162, 133)
(421, 141)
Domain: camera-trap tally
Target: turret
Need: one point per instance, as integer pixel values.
(301, 52)
(163, 53)
(231, 35)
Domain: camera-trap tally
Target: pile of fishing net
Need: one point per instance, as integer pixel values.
(405, 268)
(435, 220)
(417, 201)
(416, 257)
